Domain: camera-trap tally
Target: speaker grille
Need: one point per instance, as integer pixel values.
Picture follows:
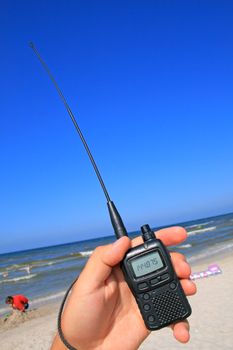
(168, 307)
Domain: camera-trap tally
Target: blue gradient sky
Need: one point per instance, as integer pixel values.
(150, 83)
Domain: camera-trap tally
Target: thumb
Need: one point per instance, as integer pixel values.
(116, 251)
(101, 262)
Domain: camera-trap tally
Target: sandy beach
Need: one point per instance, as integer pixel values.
(211, 320)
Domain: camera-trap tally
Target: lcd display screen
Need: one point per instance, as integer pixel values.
(146, 264)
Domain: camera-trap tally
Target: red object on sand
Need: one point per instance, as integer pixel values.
(19, 302)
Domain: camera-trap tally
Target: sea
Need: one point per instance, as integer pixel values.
(44, 274)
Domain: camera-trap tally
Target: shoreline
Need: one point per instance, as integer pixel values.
(212, 301)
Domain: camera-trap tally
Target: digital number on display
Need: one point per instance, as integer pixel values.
(147, 264)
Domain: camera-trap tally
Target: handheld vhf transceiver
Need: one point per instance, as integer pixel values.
(149, 273)
(147, 268)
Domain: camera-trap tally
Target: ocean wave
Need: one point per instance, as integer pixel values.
(9, 268)
(185, 246)
(47, 298)
(194, 232)
(16, 279)
(87, 253)
(33, 264)
(218, 249)
(200, 225)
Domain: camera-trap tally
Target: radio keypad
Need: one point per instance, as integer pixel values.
(151, 318)
(154, 281)
(146, 296)
(158, 279)
(142, 285)
(165, 276)
(146, 307)
(173, 285)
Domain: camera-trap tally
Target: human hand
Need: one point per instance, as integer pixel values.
(101, 312)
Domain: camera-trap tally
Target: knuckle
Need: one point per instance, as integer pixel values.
(98, 250)
(178, 256)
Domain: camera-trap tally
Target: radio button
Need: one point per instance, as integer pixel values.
(165, 276)
(142, 285)
(146, 307)
(154, 281)
(173, 285)
(151, 318)
(146, 296)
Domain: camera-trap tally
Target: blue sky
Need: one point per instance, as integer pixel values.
(150, 83)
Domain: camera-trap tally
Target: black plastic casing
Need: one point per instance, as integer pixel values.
(159, 295)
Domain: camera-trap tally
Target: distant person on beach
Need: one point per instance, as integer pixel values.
(101, 312)
(18, 302)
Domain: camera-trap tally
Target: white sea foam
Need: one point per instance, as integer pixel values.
(16, 279)
(87, 253)
(192, 226)
(47, 298)
(43, 264)
(215, 250)
(194, 232)
(185, 245)
(12, 267)
(207, 222)
(202, 224)
(46, 263)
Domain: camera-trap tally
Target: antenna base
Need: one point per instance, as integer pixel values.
(116, 220)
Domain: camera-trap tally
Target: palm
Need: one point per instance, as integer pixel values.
(124, 316)
(101, 312)
(111, 311)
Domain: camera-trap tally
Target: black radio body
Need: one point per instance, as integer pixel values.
(150, 275)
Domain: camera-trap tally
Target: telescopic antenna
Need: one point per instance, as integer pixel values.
(116, 220)
(73, 120)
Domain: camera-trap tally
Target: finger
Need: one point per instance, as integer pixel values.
(181, 331)
(179, 256)
(99, 265)
(169, 236)
(188, 286)
(116, 251)
(172, 235)
(181, 267)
